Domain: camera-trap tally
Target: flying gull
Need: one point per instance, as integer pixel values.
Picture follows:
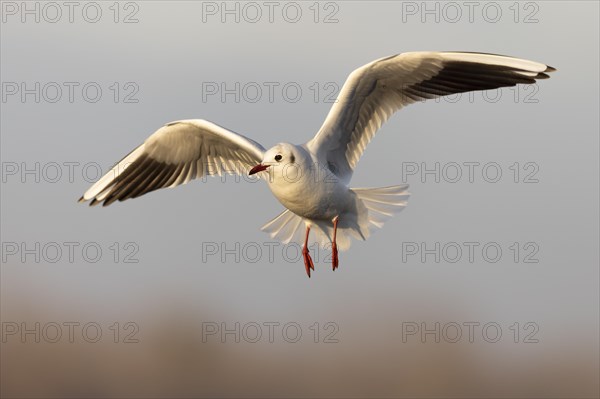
(311, 180)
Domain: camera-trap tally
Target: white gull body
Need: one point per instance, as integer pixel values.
(311, 180)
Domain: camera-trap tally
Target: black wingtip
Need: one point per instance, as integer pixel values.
(109, 200)
(80, 200)
(549, 69)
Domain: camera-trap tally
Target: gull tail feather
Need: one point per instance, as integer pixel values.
(287, 226)
(382, 203)
(373, 207)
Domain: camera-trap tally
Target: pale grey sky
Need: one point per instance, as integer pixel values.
(165, 60)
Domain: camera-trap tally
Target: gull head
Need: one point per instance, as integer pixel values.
(279, 155)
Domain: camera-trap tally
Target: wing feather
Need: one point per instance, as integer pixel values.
(373, 92)
(175, 154)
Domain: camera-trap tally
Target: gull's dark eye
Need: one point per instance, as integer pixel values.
(278, 157)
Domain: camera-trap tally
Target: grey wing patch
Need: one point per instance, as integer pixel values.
(141, 177)
(461, 77)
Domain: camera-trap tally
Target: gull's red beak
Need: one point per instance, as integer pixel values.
(258, 168)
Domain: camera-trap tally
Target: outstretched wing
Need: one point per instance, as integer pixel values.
(175, 154)
(373, 92)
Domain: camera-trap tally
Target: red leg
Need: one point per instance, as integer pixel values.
(334, 251)
(308, 262)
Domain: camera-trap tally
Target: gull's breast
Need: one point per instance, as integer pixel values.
(314, 199)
